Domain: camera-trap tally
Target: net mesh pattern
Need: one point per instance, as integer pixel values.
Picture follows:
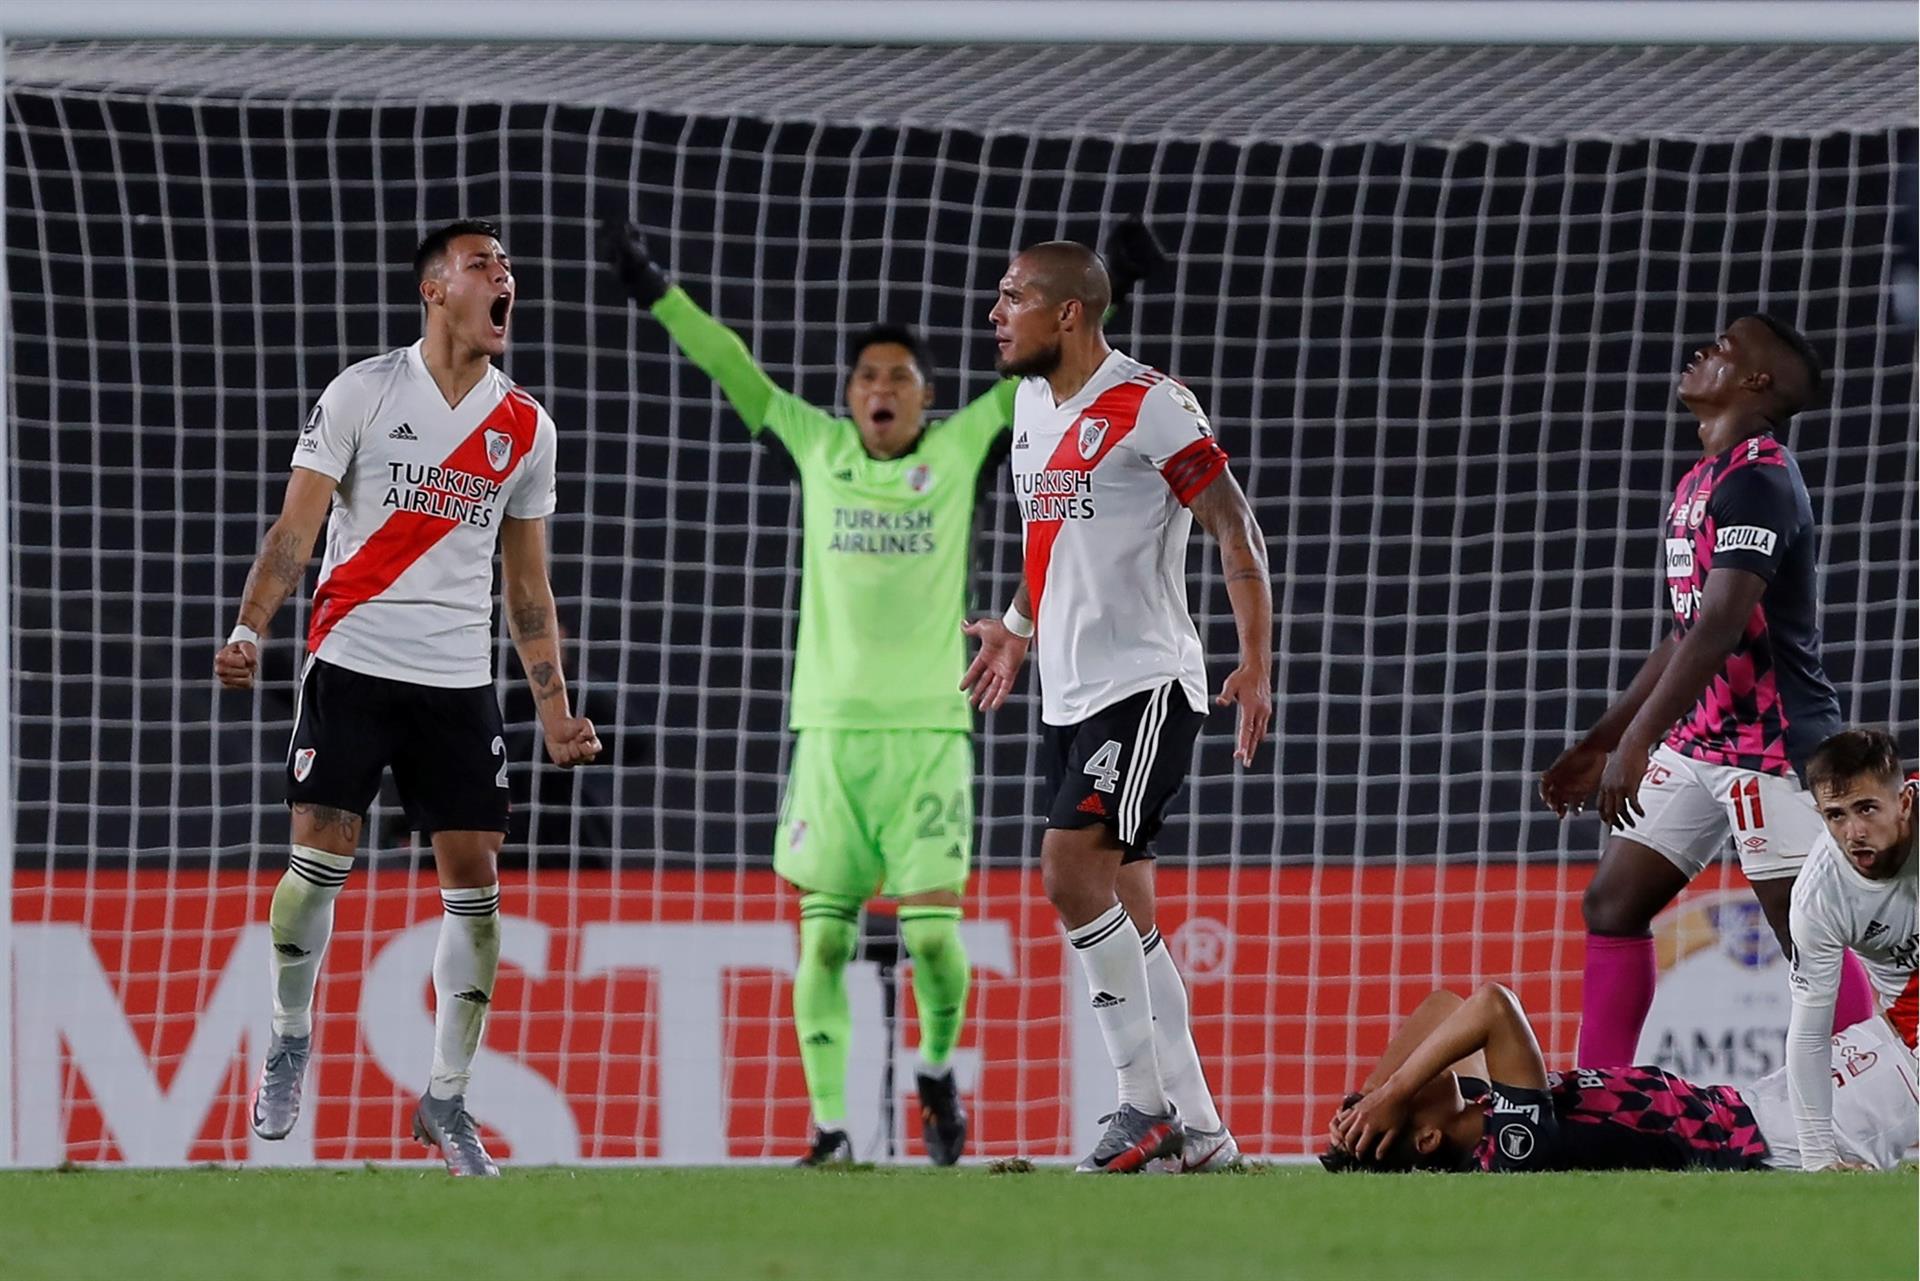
(1272, 93)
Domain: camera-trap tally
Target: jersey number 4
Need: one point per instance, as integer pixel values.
(1105, 766)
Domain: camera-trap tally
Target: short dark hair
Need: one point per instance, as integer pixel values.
(1401, 1157)
(1854, 753)
(1816, 375)
(899, 335)
(434, 247)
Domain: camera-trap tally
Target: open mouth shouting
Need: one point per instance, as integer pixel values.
(497, 313)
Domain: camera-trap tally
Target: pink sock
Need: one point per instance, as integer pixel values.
(1854, 1004)
(1615, 996)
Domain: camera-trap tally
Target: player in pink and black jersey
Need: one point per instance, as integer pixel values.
(1707, 745)
(1462, 1087)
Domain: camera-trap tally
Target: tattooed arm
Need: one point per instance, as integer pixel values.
(571, 739)
(277, 570)
(1222, 510)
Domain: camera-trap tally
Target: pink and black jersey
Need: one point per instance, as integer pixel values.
(1630, 1118)
(1771, 705)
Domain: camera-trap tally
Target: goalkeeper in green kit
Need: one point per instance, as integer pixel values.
(880, 794)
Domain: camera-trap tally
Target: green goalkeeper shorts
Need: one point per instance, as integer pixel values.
(877, 811)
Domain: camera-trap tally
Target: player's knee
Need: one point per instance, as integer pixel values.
(1605, 913)
(930, 941)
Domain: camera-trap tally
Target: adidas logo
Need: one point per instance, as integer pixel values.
(1873, 928)
(403, 432)
(819, 1038)
(1020, 441)
(1107, 1000)
(845, 473)
(1092, 805)
(475, 995)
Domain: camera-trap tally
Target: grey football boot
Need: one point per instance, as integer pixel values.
(276, 1103)
(446, 1124)
(1133, 1139)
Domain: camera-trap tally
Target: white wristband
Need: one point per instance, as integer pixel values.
(241, 632)
(1018, 623)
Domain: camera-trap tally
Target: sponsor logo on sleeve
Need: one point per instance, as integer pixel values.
(1744, 538)
(1516, 1142)
(313, 421)
(1679, 558)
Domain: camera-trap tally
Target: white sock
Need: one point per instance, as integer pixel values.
(1180, 1069)
(937, 1071)
(1109, 951)
(464, 964)
(302, 921)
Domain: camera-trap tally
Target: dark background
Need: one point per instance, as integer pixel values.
(1444, 373)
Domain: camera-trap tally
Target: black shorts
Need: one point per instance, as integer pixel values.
(1123, 766)
(447, 748)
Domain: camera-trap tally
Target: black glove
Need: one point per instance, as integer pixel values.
(1132, 255)
(625, 249)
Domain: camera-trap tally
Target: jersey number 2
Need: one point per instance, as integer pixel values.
(1105, 766)
(1746, 805)
(500, 750)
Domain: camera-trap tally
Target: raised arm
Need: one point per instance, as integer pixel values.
(531, 619)
(276, 571)
(1222, 510)
(716, 349)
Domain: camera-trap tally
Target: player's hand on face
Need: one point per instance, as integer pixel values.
(990, 676)
(236, 664)
(572, 741)
(1248, 689)
(1619, 796)
(1570, 782)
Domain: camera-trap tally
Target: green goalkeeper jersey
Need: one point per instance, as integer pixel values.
(886, 543)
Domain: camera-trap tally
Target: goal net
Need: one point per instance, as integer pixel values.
(1436, 300)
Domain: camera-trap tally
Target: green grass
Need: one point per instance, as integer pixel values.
(910, 1224)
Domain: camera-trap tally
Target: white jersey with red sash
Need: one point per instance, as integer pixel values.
(406, 586)
(1103, 482)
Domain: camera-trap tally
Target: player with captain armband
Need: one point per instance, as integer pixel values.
(429, 457)
(1858, 892)
(1113, 462)
(879, 796)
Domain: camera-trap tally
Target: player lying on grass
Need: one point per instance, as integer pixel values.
(428, 457)
(1857, 891)
(1707, 746)
(1113, 462)
(1462, 1087)
(880, 794)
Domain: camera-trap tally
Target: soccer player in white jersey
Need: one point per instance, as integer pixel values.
(1112, 462)
(428, 456)
(1859, 890)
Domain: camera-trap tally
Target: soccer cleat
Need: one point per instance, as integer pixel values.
(446, 1124)
(276, 1103)
(830, 1147)
(1205, 1152)
(1133, 1139)
(943, 1122)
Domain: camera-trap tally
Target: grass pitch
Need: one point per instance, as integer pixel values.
(897, 1223)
